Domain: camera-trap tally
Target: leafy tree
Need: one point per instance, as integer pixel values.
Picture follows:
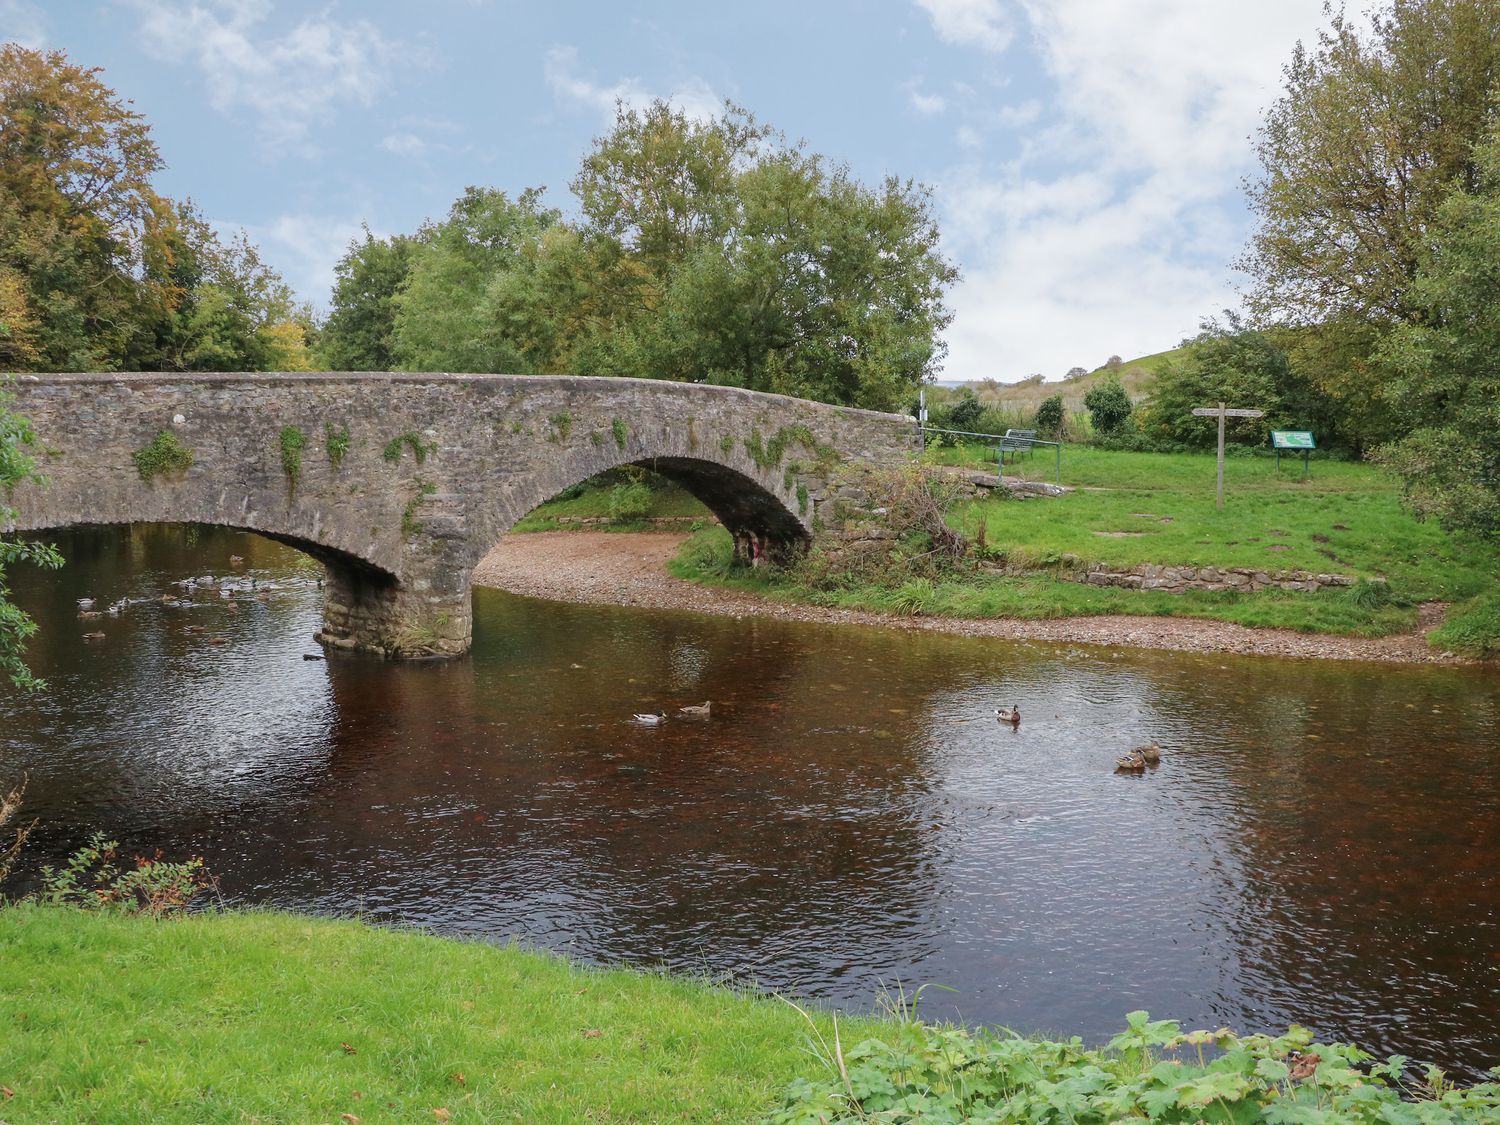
(360, 334)
(1360, 151)
(444, 320)
(705, 251)
(97, 270)
(1222, 364)
(1445, 366)
(1108, 406)
(16, 465)
(83, 254)
(1051, 417)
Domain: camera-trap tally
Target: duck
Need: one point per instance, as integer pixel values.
(700, 709)
(93, 636)
(89, 614)
(1151, 754)
(651, 720)
(1130, 763)
(1013, 716)
(236, 560)
(85, 603)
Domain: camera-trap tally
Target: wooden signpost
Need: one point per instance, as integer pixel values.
(1221, 412)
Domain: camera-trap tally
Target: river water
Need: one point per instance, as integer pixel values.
(1320, 844)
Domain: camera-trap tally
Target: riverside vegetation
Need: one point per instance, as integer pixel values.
(1125, 509)
(122, 1006)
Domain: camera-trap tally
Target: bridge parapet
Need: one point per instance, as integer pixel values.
(400, 483)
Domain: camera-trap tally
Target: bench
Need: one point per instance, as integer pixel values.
(1016, 442)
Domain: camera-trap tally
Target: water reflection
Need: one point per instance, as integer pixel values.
(1320, 844)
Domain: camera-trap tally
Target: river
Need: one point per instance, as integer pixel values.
(1320, 844)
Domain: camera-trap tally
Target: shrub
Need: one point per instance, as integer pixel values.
(1108, 406)
(1051, 417)
(1149, 1071)
(92, 880)
(629, 502)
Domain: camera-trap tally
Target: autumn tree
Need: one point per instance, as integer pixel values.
(97, 270)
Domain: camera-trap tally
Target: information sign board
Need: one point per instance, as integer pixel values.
(1292, 439)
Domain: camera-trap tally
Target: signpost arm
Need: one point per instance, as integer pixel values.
(1221, 457)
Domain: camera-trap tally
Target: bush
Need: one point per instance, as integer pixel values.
(1051, 417)
(629, 502)
(91, 880)
(1108, 406)
(1149, 1071)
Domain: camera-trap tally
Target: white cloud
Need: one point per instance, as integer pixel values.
(695, 98)
(403, 144)
(1112, 227)
(927, 105)
(971, 23)
(23, 22)
(289, 80)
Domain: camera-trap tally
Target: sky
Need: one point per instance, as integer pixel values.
(1086, 157)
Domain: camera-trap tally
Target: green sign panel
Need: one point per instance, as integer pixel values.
(1292, 439)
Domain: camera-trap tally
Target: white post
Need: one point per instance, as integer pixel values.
(1221, 457)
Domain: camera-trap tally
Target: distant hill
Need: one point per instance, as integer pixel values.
(1135, 376)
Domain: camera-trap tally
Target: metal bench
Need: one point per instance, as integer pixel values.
(1016, 442)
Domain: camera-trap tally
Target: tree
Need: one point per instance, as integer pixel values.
(16, 465)
(1359, 152)
(443, 319)
(705, 251)
(97, 270)
(83, 254)
(1108, 406)
(360, 334)
(1445, 365)
(1051, 417)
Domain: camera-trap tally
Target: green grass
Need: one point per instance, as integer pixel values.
(245, 1016)
(593, 503)
(1346, 519)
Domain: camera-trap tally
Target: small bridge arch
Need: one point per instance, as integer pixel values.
(400, 483)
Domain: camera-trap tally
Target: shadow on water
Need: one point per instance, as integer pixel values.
(1320, 844)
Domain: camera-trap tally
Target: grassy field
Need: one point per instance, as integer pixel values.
(668, 500)
(274, 1017)
(1131, 508)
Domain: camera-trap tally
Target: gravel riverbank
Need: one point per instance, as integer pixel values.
(626, 568)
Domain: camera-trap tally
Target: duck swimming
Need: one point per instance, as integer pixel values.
(651, 720)
(699, 709)
(1151, 754)
(1130, 763)
(1013, 716)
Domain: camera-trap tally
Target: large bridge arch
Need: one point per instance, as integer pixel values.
(400, 483)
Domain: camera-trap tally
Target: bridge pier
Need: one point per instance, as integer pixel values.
(367, 611)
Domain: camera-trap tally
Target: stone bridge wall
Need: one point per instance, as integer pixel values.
(437, 469)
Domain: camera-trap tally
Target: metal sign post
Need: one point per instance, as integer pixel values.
(1221, 412)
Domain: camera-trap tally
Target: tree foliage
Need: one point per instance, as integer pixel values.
(1445, 366)
(705, 251)
(360, 333)
(98, 271)
(1108, 405)
(1361, 149)
(1051, 417)
(17, 465)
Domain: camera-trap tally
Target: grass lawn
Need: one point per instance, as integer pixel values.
(1130, 508)
(274, 1017)
(593, 503)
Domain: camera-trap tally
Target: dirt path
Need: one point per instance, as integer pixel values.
(623, 568)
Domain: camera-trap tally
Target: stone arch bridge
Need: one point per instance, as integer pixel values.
(400, 483)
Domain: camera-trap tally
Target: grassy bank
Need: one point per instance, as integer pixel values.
(274, 1017)
(1135, 508)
